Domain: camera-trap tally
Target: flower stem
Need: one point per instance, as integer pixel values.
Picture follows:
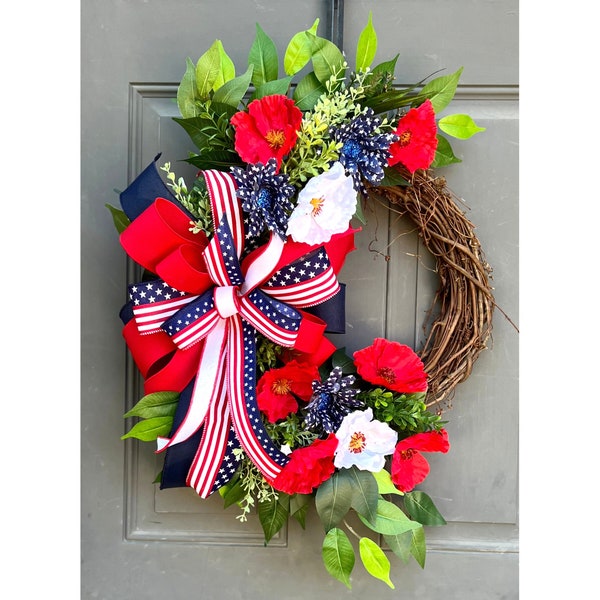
(351, 530)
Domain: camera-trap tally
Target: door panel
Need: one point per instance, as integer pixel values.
(141, 542)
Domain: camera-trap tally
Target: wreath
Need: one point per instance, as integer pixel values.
(244, 394)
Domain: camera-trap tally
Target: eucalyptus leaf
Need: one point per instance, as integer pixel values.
(157, 404)
(333, 500)
(232, 92)
(150, 429)
(299, 51)
(186, 92)
(441, 90)
(227, 68)
(367, 46)
(308, 91)
(444, 155)
(208, 69)
(263, 58)
(390, 519)
(120, 219)
(272, 517)
(459, 126)
(422, 509)
(375, 560)
(338, 556)
(385, 483)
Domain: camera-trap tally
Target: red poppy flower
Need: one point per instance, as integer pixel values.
(269, 129)
(278, 389)
(409, 466)
(308, 467)
(391, 365)
(417, 131)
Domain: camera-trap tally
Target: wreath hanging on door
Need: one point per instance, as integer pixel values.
(244, 394)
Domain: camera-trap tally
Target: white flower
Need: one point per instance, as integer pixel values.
(364, 442)
(325, 207)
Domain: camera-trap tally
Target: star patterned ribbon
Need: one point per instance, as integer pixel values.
(208, 331)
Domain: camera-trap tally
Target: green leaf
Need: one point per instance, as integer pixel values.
(215, 159)
(233, 493)
(278, 86)
(263, 58)
(186, 92)
(158, 404)
(374, 560)
(232, 92)
(367, 46)
(441, 90)
(459, 126)
(418, 547)
(299, 51)
(227, 68)
(365, 494)
(333, 500)
(390, 519)
(392, 177)
(340, 359)
(422, 509)
(120, 219)
(389, 66)
(149, 429)
(338, 556)
(308, 91)
(272, 517)
(327, 58)
(299, 507)
(444, 155)
(385, 483)
(400, 544)
(208, 69)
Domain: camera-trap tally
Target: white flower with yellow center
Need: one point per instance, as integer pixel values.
(364, 442)
(325, 207)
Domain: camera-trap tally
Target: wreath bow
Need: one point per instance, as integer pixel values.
(204, 312)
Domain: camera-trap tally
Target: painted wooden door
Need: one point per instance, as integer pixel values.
(142, 543)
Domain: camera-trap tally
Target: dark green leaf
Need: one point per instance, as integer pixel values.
(158, 404)
(390, 519)
(388, 66)
(279, 86)
(299, 51)
(422, 509)
(367, 46)
(400, 544)
(392, 177)
(365, 494)
(340, 359)
(441, 90)
(233, 493)
(338, 556)
(120, 219)
(375, 560)
(263, 58)
(333, 500)
(272, 517)
(232, 92)
(150, 429)
(299, 507)
(444, 155)
(216, 159)
(308, 91)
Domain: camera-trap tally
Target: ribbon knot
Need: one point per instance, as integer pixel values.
(226, 300)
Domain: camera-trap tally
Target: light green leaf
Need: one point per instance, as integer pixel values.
(338, 556)
(308, 91)
(444, 155)
(263, 58)
(422, 509)
(327, 58)
(232, 92)
(390, 519)
(227, 70)
(441, 90)
(365, 494)
(400, 543)
(149, 429)
(120, 219)
(186, 92)
(299, 51)
(385, 483)
(389, 66)
(158, 404)
(272, 516)
(208, 69)
(374, 560)
(459, 126)
(367, 46)
(418, 547)
(299, 507)
(333, 500)
(270, 88)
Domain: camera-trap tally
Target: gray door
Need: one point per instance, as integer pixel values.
(142, 543)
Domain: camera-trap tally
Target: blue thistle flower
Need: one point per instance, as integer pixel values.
(331, 401)
(265, 197)
(364, 152)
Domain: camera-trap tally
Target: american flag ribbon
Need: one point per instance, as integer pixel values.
(248, 297)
